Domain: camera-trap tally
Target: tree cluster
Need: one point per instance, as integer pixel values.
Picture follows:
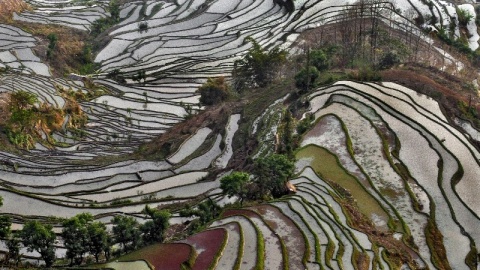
(269, 178)
(363, 39)
(259, 67)
(102, 24)
(318, 60)
(204, 211)
(81, 235)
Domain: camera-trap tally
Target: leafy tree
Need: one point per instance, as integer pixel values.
(88, 64)
(320, 59)
(209, 210)
(114, 8)
(205, 211)
(13, 244)
(236, 184)
(126, 231)
(272, 173)
(287, 143)
(99, 240)
(53, 39)
(41, 238)
(306, 79)
(12, 241)
(5, 223)
(154, 229)
(116, 75)
(258, 67)
(213, 91)
(143, 26)
(76, 237)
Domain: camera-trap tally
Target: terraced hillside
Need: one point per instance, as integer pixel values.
(383, 179)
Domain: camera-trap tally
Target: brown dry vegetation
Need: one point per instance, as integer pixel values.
(70, 41)
(396, 248)
(430, 81)
(4, 116)
(8, 7)
(4, 110)
(68, 50)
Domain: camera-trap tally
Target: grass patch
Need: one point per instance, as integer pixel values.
(260, 249)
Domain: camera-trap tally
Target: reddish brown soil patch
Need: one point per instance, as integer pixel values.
(208, 245)
(162, 256)
(239, 212)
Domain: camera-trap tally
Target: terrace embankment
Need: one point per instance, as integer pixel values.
(214, 118)
(448, 90)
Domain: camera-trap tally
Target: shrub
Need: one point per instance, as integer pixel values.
(320, 59)
(52, 38)
(464, 16)
(389, 60)
(214, 91)
(365, 73)
(307, 78)
(116, 75)
(305, 124)
(143, 26)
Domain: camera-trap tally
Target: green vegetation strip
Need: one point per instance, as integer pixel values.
(330, 249)
(317, 240)
(220, 251)
(238, 261)
(306, 255)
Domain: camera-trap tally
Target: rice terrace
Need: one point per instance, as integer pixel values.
(239, 134)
